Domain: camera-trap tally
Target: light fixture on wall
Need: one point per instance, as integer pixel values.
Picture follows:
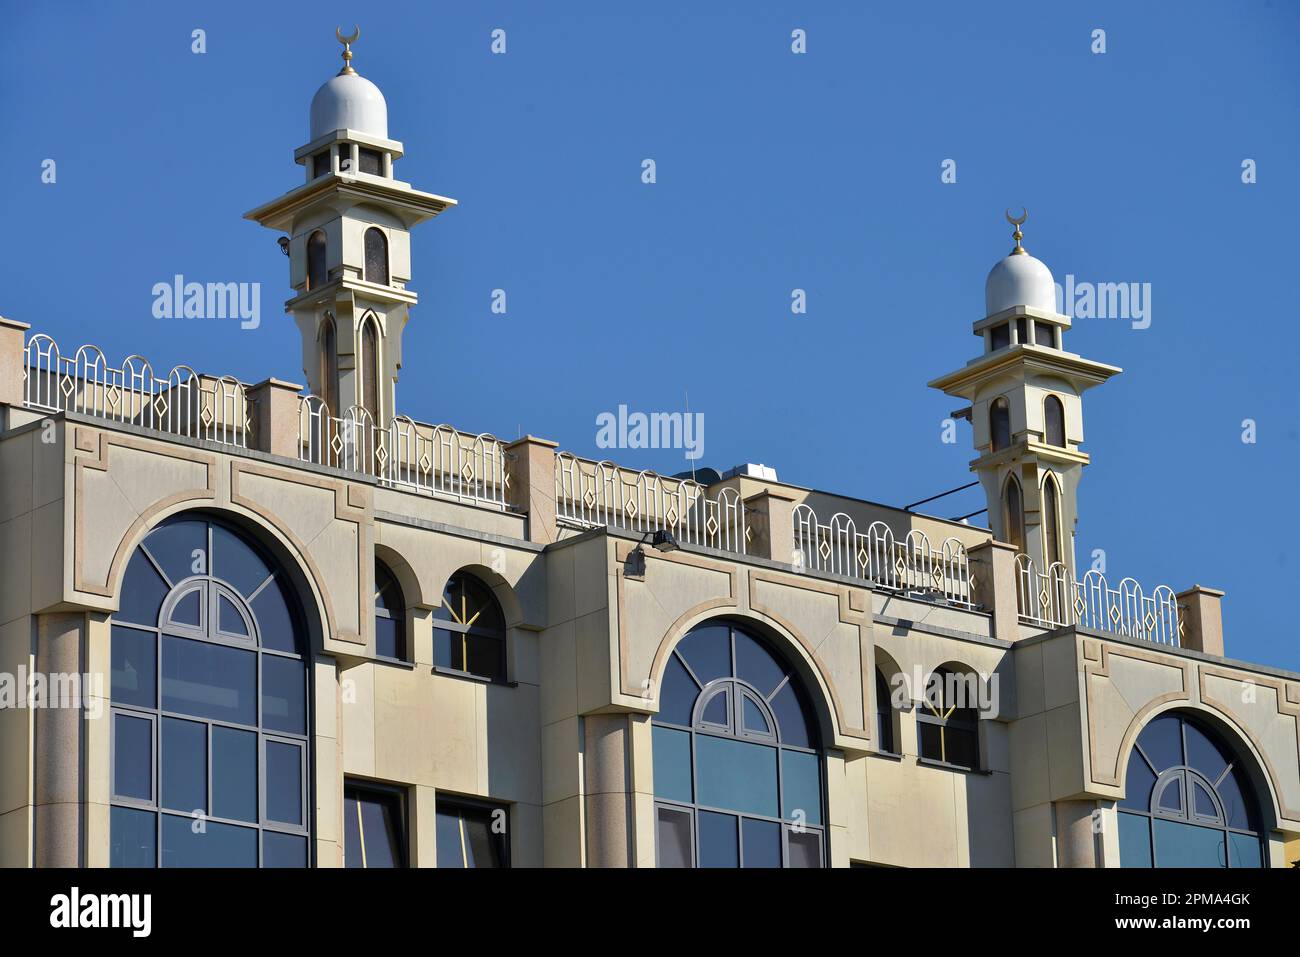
(661, 539)
(283, 243)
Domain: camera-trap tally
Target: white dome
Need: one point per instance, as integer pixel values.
(349, 102)
(1019, 280)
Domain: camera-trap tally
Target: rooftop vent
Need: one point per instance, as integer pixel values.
(750, 470)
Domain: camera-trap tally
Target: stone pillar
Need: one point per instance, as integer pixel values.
(1201, 611)
(607, 790)
(530, 463)
(770, 514)
(275, 417)
(993, 566)
(59, 747)
(13, 356)
(1076, 836)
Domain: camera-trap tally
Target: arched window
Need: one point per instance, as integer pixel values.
(1054, 422)
(1051, 521)
(390, 615)
(209, 710)
(329, 365)
(737, 760)
(368, 363)
(1188, 801)
(1013, 514)
(1000, 423)
(376, 256)
(884, 714)
(470, 631)
(317, 269)
(947, 723)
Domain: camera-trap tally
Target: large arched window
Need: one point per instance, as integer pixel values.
(209, 689)
(737, 758)
(368, 363)
(469, 630)
(390, 615)
(1051, 521)
(329, 365)
(376, 256)
(317, 269)
(1054, 422)
(1000, 423)
(1188, 801)
(947, 723)
(1013, 514)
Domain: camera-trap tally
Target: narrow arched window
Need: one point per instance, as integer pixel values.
(376, 256)
(368, 362)
(317, 268)
(1000, 423)
(884, 715)
(1013, 515)
(1054, 422)
(1051, 521)
(390, 615)
(329, 365)
(947, 723)
(470, 631)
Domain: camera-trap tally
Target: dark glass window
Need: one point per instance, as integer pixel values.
(947, 723)
(390, 615)
(320, 164)
(317, 268)
(469, 630)
(210, 700)
(1051, 521)
(376, 256)
(368, 363)
(1188, 801)
(371, 161)
(374, 825)
(1001, 336)
(1022, 331)
(1014, 515)
(737, 769)
(1000, 423)
(1043, 335)
(329, 367)
(884, 714)
(472, 835)
(1054, 422)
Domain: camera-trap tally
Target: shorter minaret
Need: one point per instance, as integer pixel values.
(349, 246)
(1026, 410)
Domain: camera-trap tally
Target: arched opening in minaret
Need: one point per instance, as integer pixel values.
(1054, 422)
(368, 364)
(1051, 522)
(317, 270)
(1013, 514)
(327, 342)
(376, 256)
(1000, 423)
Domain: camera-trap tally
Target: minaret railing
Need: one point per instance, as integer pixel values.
(1055, 599)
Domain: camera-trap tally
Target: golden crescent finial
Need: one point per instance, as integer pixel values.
(1018, 221)
(347, 47)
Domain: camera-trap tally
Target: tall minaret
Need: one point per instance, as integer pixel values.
(1026, 409)
(349, 245)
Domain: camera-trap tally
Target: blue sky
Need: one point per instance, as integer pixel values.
(775, 171)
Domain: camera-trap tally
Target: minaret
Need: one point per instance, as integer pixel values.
(1026, 409)
(349, 245)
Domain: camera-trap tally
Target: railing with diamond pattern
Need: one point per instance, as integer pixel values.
(911, 567)
(1054, 599)
(182, 403)
(406, 454)
(592, 494)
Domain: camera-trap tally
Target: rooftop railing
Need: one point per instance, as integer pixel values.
(181, 403)
(1055, 599)
(592, 494)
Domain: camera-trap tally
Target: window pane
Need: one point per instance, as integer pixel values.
(1042, 334)
(1238, 802)
(283, 782)
(275, 621)
(1202, 803)
(1204, 754)
(284, 694)
(1186, 845)
(719, 843)
(708, 651)
(133, 678)
(1137, 784)
(672, 764)
(674, 837)
(761, 845)
(143, 591)
(486, 658)
(805, 848)
(677, 694)
(235, 561)
(482, 847)
(754, 719)
(1162, 741)
(180, 548)
(188, 610)
(216, 845)
(962, 746)
(450, 852)
(801, 786)
(132, 838)
(447, 650)
(1171, 797)
(229, 619)
(388, 638)
(930, 740)
(234, 774)
(184, 765)
(717, 710)
(283, 850)
(381, 827)
(1001, 336)
(1246, 850)
(755, 664)
(371, 161)
(1134, 841)
(737, 775)
(209, 681)
(791, 719)
(132, 757)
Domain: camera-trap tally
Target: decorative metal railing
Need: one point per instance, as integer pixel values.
(436, 459)
(911, 566)
(593, 494)
(1054, 599)
(181, 403)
